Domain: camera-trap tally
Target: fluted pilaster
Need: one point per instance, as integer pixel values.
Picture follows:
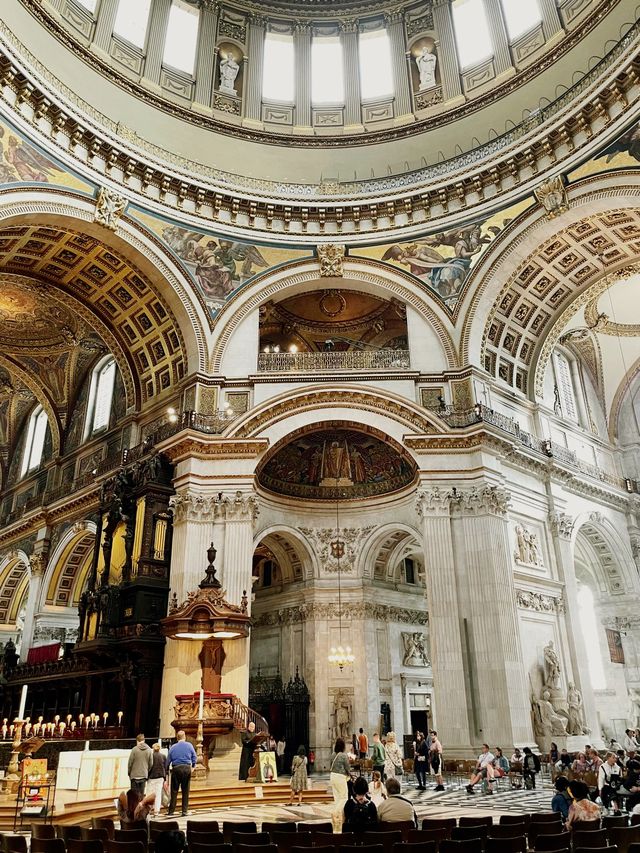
(302, 54)
(206, 54)
(37, 565)
(451, 710)
(499, 37)
(156, 37)
(104, 26)
(395, 29)
(561, 526)
(352, 93)
(551, 22)
(253, 77)
(447, 53)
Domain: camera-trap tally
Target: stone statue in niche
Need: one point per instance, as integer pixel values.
(527, 547)
(634, 708)
(343, 715)
(426, 61)
(551, 723)
(575, 723)
(415, 653)
(551, 667)
(229, 69)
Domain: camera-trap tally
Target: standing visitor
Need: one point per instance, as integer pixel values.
(182, 760)
(363, 745)
(298, 775)
(421, 761)
(249, 744)
(339, 776)
(392, 757)
(435, 757)
(139, 765)
(377, 755)
(280, 750)
(157, 775)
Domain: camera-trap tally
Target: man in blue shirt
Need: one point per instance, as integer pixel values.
(182, 758)
(562, 799)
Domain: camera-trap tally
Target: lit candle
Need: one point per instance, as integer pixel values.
(73, 726)
(62, 728)
(27, 729)
(80, 719)
(86, 722)
(201, 711)
(68, 719)
(105, 717)
(23, 702)
(56, 720)
(4, 727)
(120, 715)
(11, 728)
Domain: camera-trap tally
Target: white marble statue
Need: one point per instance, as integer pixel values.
(552, 723)
(229, 69)
(342, 711)
(415, 653)
(426, 61)
(575, 724)
(551, 667)
(634, 708)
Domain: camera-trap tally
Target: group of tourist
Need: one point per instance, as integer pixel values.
(149, 771)
(522, 768)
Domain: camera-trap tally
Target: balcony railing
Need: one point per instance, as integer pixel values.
(306, 362)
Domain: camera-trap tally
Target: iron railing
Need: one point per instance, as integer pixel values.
(382, 359)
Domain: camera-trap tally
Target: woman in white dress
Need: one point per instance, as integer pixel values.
(392, 757)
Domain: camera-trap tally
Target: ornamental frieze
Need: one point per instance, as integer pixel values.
(541, 603)
(359, 610)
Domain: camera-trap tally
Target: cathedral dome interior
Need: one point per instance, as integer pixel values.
(335, 305)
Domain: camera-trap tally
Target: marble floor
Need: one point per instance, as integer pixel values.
(454, 801)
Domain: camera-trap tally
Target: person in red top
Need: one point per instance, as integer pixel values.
(363, 744)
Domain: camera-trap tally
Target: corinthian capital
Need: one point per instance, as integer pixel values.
(243, 506)
(190, 506)
(493, 500)
(561, 524)
(435, 501)
(38, 564)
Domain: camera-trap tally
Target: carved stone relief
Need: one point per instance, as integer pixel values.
(415, 649)
(527, 551)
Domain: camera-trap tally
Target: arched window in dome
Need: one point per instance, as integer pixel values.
(520, 16)
(100, 396)
(376, 73)
(327, 70)
(181, 40)
(34, 442)
(90, 5)
(278, 72)
(472, 32)
(132, 20)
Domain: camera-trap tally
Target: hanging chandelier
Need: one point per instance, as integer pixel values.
(339, 655)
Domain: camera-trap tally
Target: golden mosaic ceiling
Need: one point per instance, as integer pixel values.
(97, 287)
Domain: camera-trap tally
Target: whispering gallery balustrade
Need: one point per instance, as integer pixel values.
(383, 359)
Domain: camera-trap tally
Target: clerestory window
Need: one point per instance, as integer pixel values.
(100, 396)
(34, 442)
(472, 32)
(181, 43)
(132, 19)
(278, 72)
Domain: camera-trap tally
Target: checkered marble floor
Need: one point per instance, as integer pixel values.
(453, 802)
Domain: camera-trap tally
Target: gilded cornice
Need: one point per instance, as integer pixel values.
(198, 446)
(440, 195)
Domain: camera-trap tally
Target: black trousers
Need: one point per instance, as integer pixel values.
(139, 785)
(180, 780)
(420, 769)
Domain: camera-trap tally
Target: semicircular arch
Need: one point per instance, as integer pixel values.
(135, 243)
(41, 397)
(351, 403)
(613, 564)
(538, 265)
(358, 273)
(372, 546)
(15, 578)
(68, 565)
(295, 539)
